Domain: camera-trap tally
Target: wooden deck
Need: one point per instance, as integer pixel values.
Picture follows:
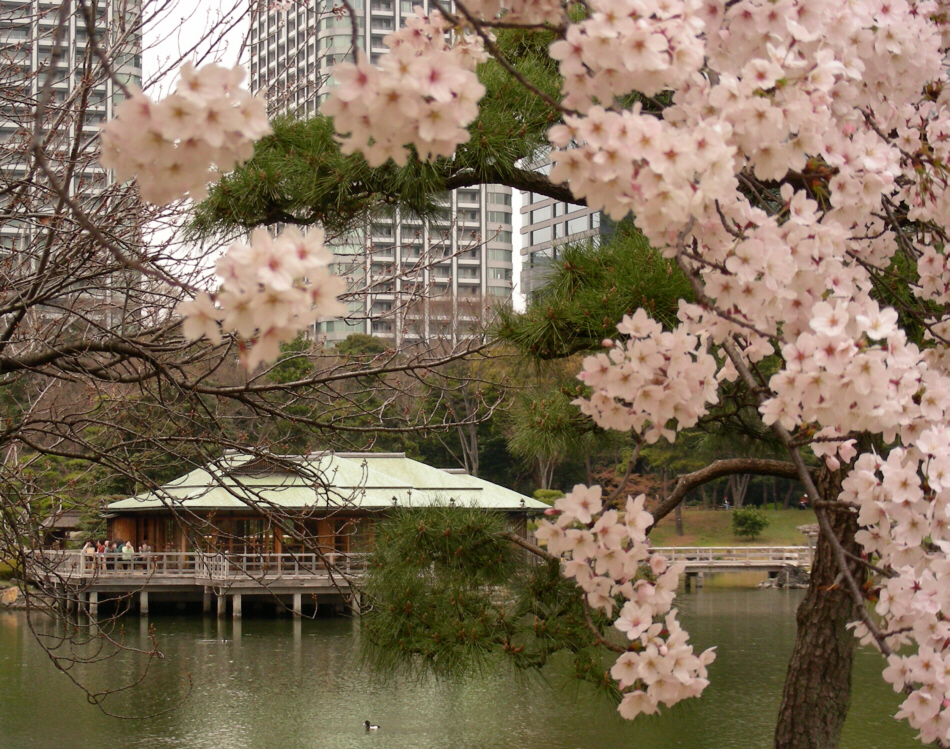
(175, 568)
(84, 579)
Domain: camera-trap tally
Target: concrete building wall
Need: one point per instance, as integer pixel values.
(547, 225)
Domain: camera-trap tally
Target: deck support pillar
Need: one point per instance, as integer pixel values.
(222, 605)
(206, 601)
(236, 605)
(699, 579)
(93, 604)
(143, 603)
(298, 608)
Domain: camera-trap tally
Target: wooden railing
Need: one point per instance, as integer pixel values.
(737, 556)
(71, 566)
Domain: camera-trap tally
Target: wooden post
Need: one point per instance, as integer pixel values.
(206, 601)
(236, 605)
(699, 579)
(143, 603)
(222, 605)
(298, 609)
(93, 604)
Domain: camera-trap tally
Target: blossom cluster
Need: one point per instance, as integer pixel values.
(272, 289)
(178, 145)
(607, 553)
(776, 150)
(905, 510)
(655, 383)
(424, 93)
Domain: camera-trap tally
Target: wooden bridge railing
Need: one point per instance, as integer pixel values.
(72, 566)
(737, 556)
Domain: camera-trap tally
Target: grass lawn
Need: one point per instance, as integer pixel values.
(714, 528)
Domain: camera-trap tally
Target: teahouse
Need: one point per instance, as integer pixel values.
(242, 504)
(290, 530)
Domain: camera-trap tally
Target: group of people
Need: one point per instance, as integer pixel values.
(117, 554)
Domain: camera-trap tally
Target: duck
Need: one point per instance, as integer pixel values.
(370, 726)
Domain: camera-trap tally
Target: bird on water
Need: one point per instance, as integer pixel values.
(370, 726)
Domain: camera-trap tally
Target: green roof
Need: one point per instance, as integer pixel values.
(324, 481)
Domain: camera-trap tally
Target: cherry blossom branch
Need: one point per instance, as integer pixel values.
(804, 475)
(499, 56)
(598, 635)
(528, 546)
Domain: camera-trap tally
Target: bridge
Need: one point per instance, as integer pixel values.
(82, 580)
(702, 559)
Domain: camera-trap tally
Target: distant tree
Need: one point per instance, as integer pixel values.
(749, 522)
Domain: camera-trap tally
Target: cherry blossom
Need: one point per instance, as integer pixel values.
(272, 289)
(178, 145)
(830, 89)
(616, 565)
(792, 159)
(424, 93)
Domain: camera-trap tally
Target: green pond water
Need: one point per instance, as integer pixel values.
(285, 684)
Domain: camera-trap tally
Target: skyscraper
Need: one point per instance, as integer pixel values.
(424, 279)
(546, 226)
(48, 66)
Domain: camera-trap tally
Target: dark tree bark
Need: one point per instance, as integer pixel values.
(817, 690)
(678, 513)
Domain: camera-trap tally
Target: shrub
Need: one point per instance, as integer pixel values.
(547, 495)
(749, 522)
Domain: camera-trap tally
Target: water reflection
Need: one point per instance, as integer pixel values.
(287, 684)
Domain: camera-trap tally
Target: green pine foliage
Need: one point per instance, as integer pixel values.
(298, 175)
(447, 593)
(589, 290)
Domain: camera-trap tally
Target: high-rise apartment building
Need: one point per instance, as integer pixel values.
(47, 63)
(425, 280)
(27, 45)
(546, 226)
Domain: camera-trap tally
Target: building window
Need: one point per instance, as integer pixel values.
(500, 217)
(499, 274)
(468, 196)
(541, 235)
(500, 255)
(577, 225)
(499, 198)
(541, 214)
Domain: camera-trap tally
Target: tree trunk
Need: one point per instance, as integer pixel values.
(740, 487)
(788, 496)
(817, 689)
(678, 514)
(705, 496)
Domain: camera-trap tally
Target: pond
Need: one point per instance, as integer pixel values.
(286, 684)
